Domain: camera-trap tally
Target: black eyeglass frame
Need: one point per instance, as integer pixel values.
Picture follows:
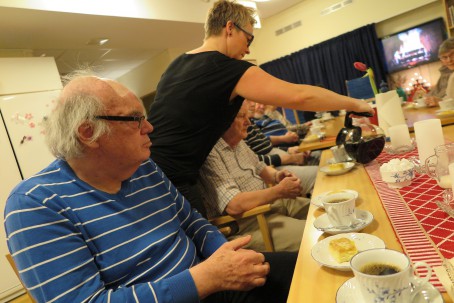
(249, 40)
(138, 119)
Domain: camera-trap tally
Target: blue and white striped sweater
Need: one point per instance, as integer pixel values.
(73, 243)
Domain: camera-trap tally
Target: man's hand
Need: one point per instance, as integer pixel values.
(288, 184)
(290, 137)
(230, 268)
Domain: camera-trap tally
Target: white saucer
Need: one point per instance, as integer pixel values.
(420, 105)
(350, 293)
(333, 161)
(320, 251)
(323, 222)
(330, 172)
(317, 200)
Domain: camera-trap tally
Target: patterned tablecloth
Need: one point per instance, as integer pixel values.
(425, 231)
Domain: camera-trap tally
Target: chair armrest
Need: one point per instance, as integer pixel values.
(252, 212)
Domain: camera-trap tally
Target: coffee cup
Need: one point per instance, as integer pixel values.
(339, 153)
(327, 116)
(316, 129)
(316, 122)
(446, 104)
(340, 208)
(386, 275)
(420, 102)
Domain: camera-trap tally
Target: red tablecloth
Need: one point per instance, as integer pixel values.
(425, 232)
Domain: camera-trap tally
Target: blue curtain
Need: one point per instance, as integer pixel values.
(330, 63)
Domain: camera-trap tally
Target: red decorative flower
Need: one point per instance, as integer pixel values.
(360, 66)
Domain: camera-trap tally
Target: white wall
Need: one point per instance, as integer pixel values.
(144, 79)
(316, 28)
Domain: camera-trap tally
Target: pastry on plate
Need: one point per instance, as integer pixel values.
(342, 249)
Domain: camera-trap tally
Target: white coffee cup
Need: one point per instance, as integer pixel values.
(339, 153)
(316, 129)
(316, 122)
(340, 208)
(446, 104)
(327, 116)
(395, 287)
(420, 102)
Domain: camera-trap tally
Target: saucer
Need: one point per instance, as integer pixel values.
(323, 222)
(317, 200)
(333, 161)
(350, 293)
(320, 251)
(420, 105)
(332, 170)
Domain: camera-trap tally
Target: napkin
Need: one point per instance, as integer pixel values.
(389, 110)
(442, 274)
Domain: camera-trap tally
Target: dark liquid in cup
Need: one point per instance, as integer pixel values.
(336, 201)
(379, 269)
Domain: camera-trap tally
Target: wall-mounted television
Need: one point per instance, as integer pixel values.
(414, 46)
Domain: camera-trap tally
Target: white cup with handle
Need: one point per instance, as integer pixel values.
(387, 276)
(340, 208)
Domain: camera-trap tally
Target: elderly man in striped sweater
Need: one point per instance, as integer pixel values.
(102, 223)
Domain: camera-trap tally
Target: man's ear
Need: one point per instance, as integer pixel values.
(85, 134)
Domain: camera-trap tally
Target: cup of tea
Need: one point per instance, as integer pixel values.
(386, 275)
(339, 153)
(340, 208)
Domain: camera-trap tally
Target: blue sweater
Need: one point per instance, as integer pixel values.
(74, 243)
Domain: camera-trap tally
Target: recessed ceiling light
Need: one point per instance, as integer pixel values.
(97, 41)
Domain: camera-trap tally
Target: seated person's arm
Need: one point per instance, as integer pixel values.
(286, 187)
(289, 137)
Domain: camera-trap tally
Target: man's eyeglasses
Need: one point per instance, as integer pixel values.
(249, 40)
(447, 57)
(138, 119)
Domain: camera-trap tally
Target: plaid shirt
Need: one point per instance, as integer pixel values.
(227, 172)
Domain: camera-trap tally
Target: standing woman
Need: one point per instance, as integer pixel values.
(201, 92)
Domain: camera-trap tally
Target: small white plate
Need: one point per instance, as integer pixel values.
(317, 200)
(320, 251)
(323, 222)
(330, 172)
(350, 293)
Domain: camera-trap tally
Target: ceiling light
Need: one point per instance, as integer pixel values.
(98, 41)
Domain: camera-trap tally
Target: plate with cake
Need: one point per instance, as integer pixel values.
(336, 251)
(317, 200)
(337, 168)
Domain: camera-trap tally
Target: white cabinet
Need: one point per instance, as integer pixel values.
(27, 88)
(9, 177)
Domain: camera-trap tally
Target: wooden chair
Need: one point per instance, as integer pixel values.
(259, 213)
(13, 265)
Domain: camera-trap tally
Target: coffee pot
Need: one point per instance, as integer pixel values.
(437, 164)
(364, 141)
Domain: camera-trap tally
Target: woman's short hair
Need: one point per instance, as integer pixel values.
(446, 46)
(224, 11)
(61, 127)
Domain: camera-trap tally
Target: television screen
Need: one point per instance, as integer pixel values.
(414, 46)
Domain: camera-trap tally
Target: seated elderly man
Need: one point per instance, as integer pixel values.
(102, 223)
(234, 180)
